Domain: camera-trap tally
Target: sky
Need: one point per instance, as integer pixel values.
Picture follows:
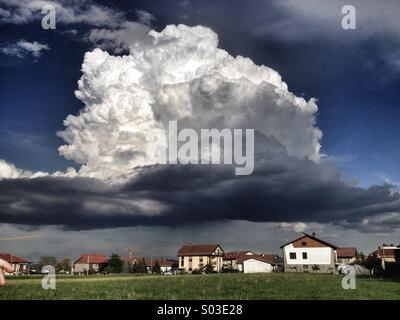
(76, 103)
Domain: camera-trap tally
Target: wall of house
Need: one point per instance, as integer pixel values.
(19, 268)
(84, 267)
(191, 263)
(319, 259)
(230, 263)
(256, 266)
(321, 255)
(165, 269)
(345, 260)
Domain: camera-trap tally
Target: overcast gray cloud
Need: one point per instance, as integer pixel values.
(282, 189)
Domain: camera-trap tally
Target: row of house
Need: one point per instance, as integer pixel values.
(304, 254)
(94, 262)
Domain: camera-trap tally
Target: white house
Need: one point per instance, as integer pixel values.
(21, 265)
(231, 258)
(257, 263)
(309, 254)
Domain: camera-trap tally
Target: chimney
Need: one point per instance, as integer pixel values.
(313, 234)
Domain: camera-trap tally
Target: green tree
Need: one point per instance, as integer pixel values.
(47, 261)
(125, 267)
(156, 267)
(115, 264)
(208, 268)
(372, 262)
(140, 266)
(64, 264)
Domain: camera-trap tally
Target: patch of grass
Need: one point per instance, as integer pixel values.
(212, 286)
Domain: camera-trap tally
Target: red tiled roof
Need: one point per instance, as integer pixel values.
(198, 249)
(269, 258)
(314, 238)
(92, 258)
(12, 259)
(163, 262)
(387, 253)
(350, 252)
(233, 255)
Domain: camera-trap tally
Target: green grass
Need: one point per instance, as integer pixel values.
(215, 286)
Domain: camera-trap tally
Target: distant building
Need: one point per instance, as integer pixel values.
(21, 265)
(166, 265)
(89, 263)
(309, 254)
(257, 263)
(230, 259)
(387, 254)
(197, 256)
(345, 256)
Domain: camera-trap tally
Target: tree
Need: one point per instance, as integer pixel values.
(115, 264)
(125, 267)
(156, 267)
(47, 261)
(208, 268)
(140, 266)
(372, 262)
(360, 259)
(64, 264)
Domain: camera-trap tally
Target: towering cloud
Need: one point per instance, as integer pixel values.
(178, 74)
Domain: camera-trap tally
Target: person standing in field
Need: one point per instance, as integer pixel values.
(4, 266)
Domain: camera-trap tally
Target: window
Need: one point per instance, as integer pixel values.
(304, 255)
(305, 266)
(304, 244)
(292, 255)
(201, 260)
(182, 263)
(190, 259)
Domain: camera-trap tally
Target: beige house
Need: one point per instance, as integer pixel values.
(387, 254)
(345, 256)
(89, 263)
(197, 256)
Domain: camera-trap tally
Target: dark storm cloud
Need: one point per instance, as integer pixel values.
(281, 189)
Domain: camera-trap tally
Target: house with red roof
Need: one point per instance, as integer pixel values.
(90, 262)
(309, 254)
(346, 256)
(388, 254)
(196, 256)
(231, 258)
(166, 265)
(21, 265)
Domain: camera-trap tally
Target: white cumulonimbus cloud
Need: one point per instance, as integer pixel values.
(177, 74)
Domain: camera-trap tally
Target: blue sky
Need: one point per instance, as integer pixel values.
(353, 74)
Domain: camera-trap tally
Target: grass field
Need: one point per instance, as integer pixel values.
(215, 286)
